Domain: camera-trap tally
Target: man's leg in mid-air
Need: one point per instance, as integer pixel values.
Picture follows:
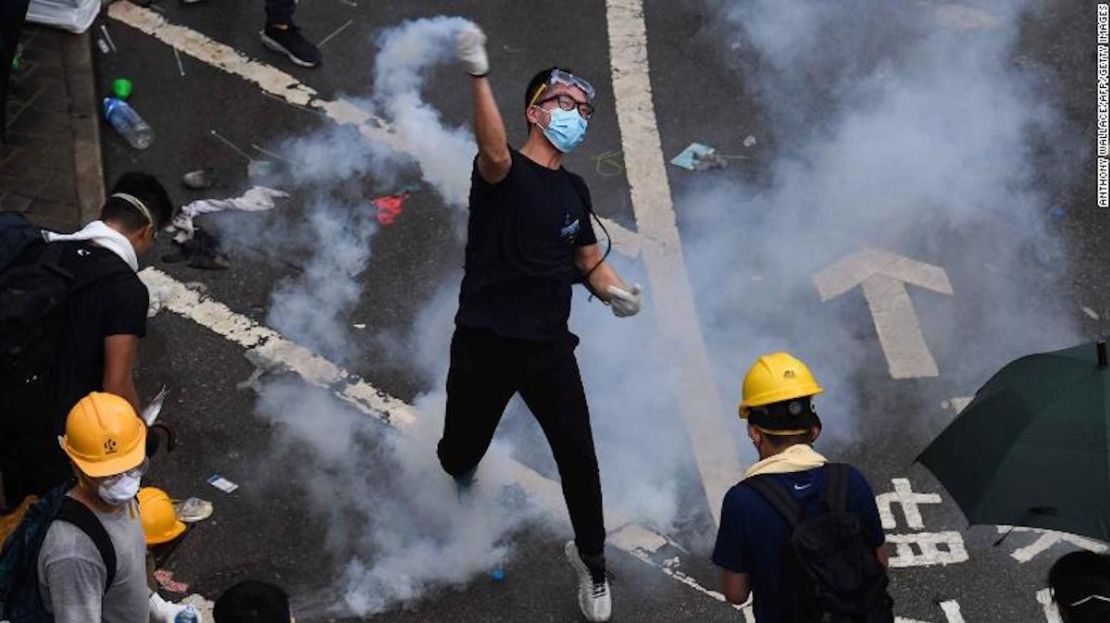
(480, 382)
(282, 35)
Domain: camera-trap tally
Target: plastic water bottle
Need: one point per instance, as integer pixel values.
(188, 615)
(128, 123)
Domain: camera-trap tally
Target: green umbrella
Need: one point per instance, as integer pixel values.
(1031, 448)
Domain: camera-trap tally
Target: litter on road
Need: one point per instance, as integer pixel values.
(221, 483)
(699, 157)
(193, 510)
(390, 206)
(257, 199)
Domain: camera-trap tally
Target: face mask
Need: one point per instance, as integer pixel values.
(566, 129)
(119, 490)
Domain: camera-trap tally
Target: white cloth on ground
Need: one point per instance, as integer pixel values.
(256, 199)
(100, 234)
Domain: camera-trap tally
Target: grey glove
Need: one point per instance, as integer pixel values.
(470, 47)
(625, 302)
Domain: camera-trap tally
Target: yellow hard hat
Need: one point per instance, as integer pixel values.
(103, 436)
(160, 523)
(776, 377)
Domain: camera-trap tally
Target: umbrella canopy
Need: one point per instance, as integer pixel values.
(1031, 448)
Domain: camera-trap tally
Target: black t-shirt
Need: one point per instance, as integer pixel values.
(521, 239)
(113, 305)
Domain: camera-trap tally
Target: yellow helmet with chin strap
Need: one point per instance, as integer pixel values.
(776, 395)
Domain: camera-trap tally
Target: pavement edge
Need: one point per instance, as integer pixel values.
(87, 159)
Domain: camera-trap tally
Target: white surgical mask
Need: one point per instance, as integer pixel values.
(119, 490)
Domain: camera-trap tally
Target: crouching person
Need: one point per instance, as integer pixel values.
(79, 553)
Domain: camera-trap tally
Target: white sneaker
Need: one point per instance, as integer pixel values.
(593, 599)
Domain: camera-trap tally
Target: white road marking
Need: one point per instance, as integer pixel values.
(933, 548)
(706, 419)
(269, 79)
(903, 496)
(270, 350)
(1047, 539)
(884, 276)
(950, 608)
(1051, 612)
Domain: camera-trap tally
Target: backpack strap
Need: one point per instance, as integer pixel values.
(778, 496)
(836, 486)
(76, 513)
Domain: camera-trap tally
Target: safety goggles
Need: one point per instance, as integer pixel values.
(134, 472)
(558, 76)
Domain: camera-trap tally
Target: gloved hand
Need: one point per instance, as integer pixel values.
(470, 45)
(625, 302)
(163, 611)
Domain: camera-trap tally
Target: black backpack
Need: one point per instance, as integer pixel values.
(20, 598)
(33, 291)
(836, 575)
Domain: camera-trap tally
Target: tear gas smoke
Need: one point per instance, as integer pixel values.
(907, 127)
(896, 132)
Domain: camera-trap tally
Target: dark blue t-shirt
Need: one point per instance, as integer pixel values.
(521, 238)
(754, 537)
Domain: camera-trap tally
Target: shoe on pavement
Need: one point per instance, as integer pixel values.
(593, 594)
(290, 42)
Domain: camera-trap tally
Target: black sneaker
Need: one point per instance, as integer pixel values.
(290, 42)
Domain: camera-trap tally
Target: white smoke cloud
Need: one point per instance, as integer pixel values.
(908, 127)
(897, 132)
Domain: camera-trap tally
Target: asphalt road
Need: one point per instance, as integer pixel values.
(281, 525)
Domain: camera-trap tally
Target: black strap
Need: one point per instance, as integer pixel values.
(587, 205)
(836, 487)
(76, 513)
(779, 497)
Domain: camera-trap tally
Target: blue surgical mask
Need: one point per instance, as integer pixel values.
(566, 129)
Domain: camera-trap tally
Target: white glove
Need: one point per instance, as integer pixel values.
(470, 45)
(625, 302)
(162, 611)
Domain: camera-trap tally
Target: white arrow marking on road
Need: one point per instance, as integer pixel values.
(884, 276)
(269, 348)
(661, 249)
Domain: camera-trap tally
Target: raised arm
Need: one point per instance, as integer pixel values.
(489, 129)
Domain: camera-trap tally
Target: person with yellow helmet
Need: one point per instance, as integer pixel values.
(793, 503)
(79, 578)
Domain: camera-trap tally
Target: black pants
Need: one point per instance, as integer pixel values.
(279, 11)
(486, 370)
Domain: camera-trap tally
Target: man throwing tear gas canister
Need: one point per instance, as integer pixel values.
(529, 240)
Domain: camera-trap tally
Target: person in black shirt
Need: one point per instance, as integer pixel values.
(529, 239)
(105, 315)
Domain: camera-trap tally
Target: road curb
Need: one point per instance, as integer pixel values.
(87, 159)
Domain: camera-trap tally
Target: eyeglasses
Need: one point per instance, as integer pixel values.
(134, 472)
(567, 102)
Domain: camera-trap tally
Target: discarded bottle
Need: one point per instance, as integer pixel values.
(128, 123)
(188, 615)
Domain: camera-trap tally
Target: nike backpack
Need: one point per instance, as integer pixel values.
(20, 598)
(836, 575)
